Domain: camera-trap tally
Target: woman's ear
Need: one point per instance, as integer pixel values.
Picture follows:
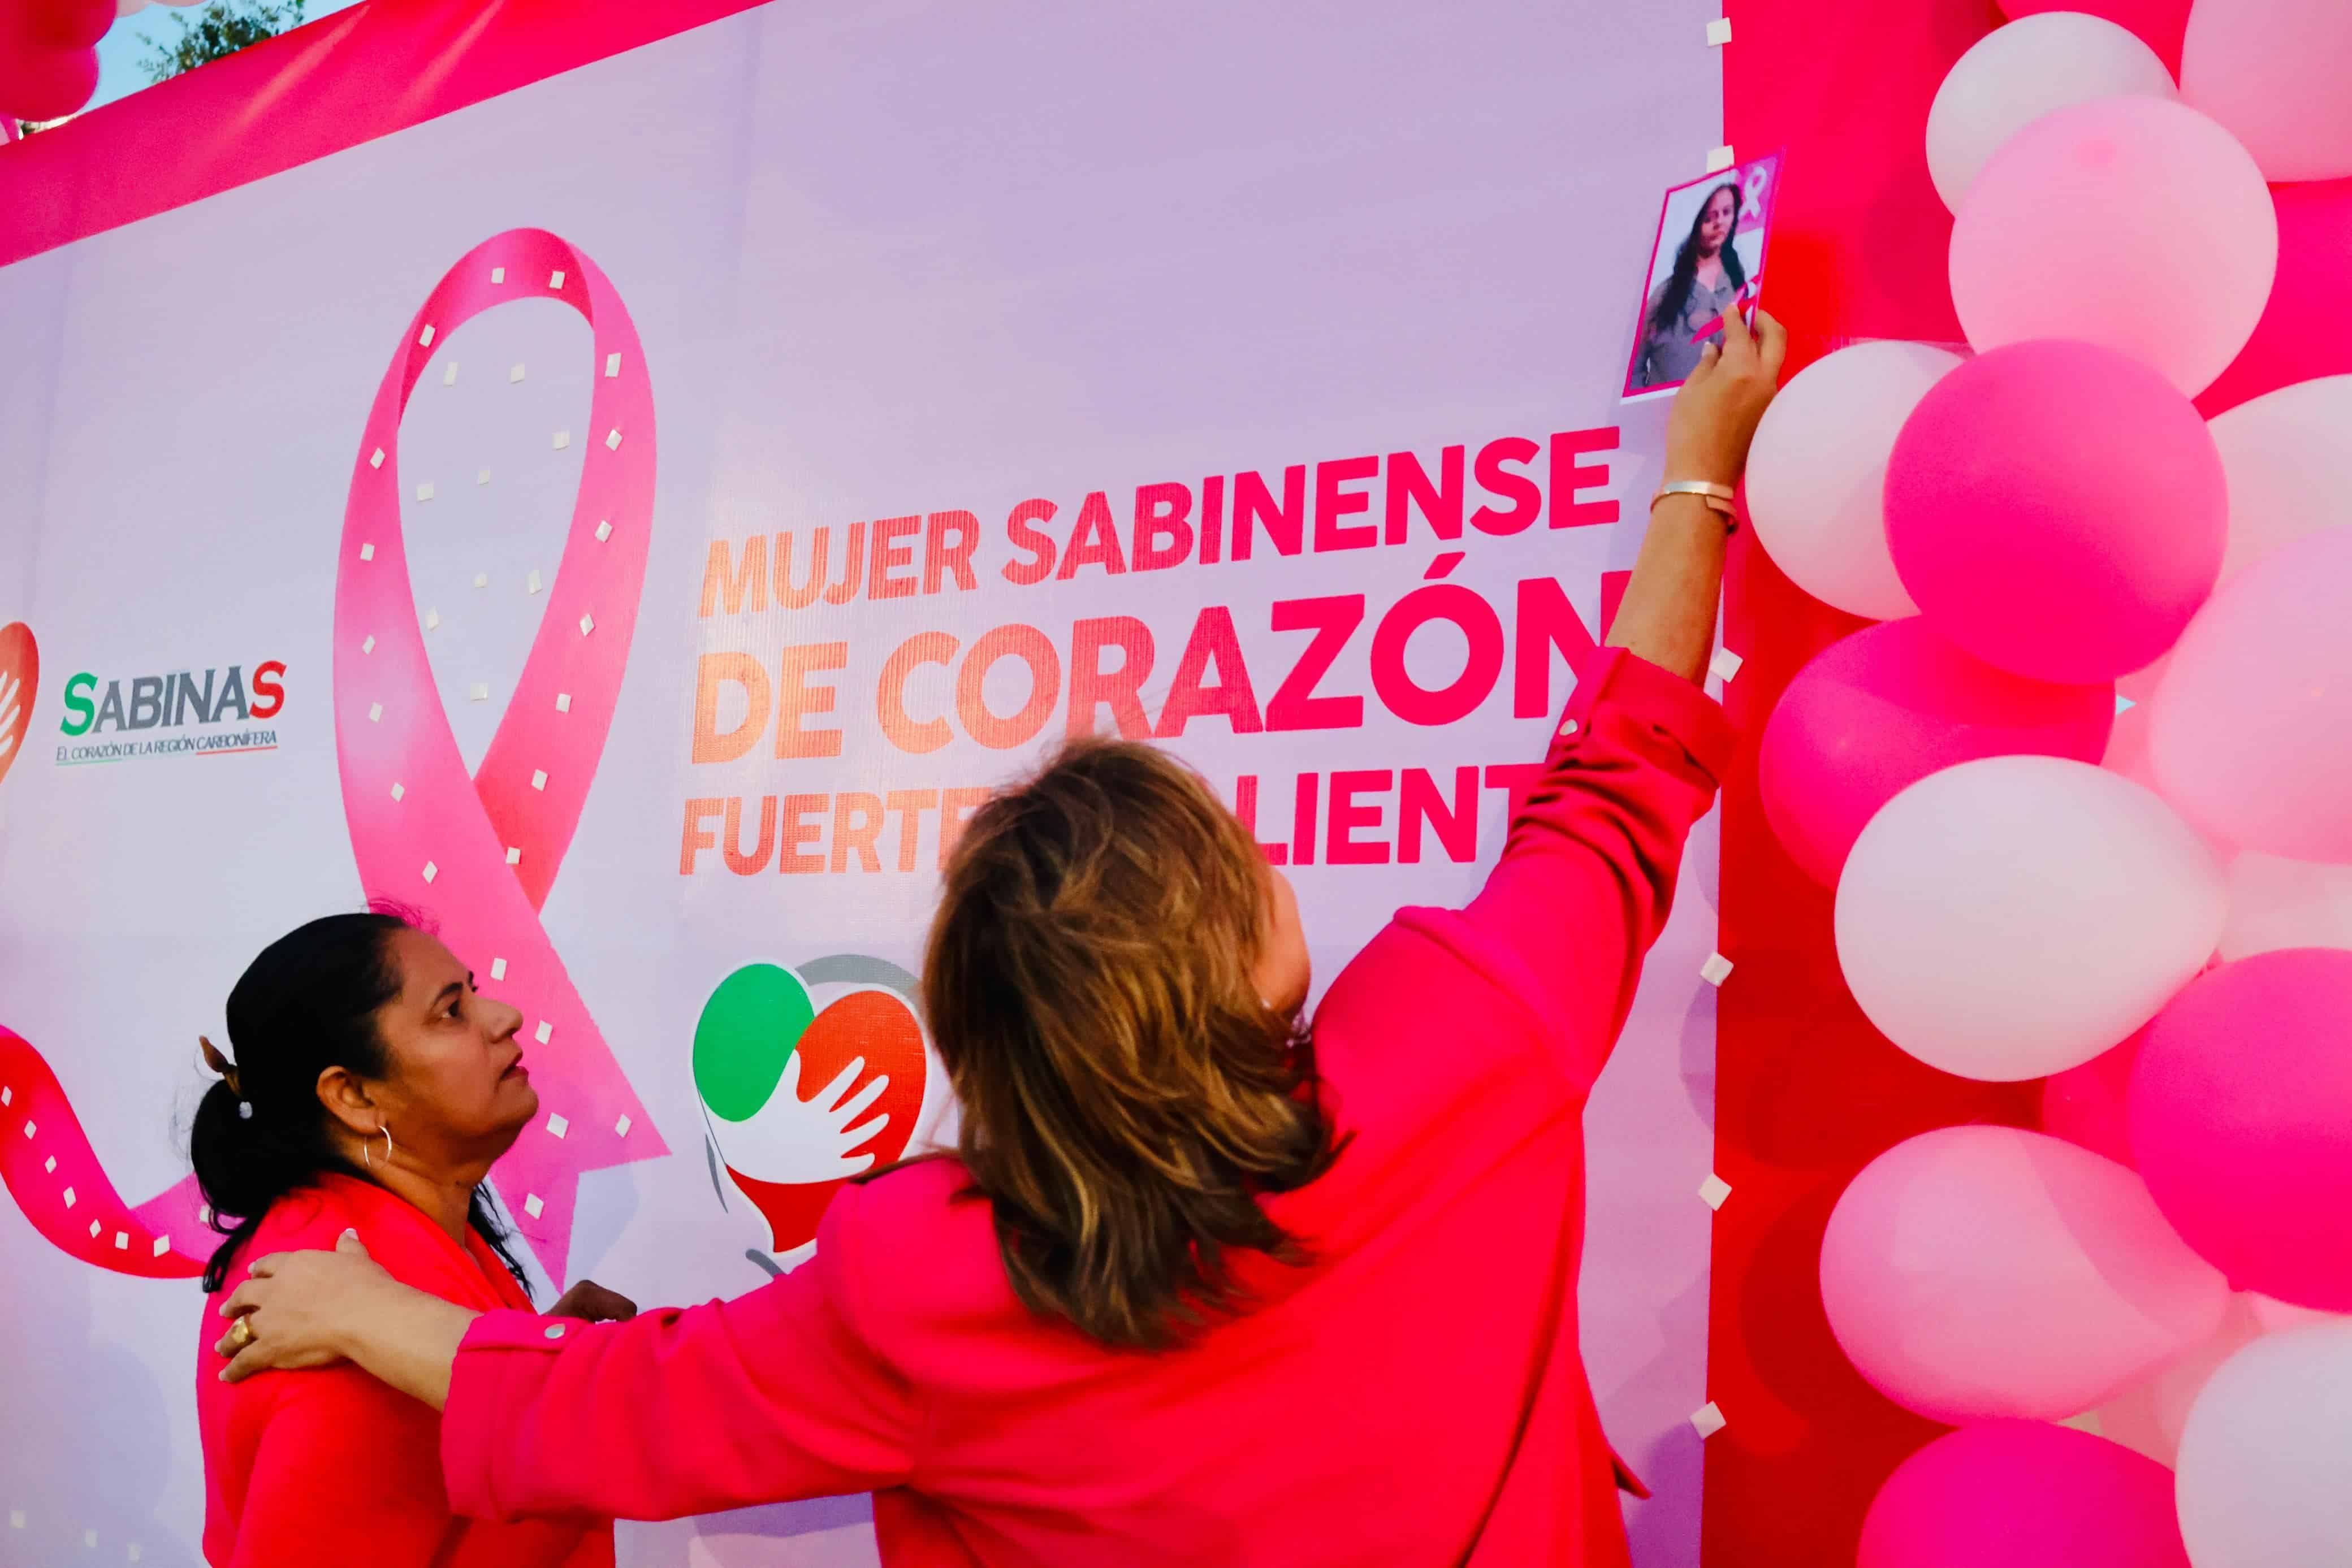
(347, 1100)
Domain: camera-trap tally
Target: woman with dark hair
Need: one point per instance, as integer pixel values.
(1203, 1282)
(1707, 279)
(343, 1030)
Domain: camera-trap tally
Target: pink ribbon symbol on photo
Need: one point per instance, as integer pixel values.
(481, 852)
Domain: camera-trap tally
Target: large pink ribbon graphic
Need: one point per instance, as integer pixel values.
(481, 852)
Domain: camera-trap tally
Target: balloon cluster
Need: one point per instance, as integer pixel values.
(2141, 895)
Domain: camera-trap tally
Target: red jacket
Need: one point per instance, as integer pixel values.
(330, 1468)
(1416, 1396)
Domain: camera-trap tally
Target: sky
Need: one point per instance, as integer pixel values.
(125, 45)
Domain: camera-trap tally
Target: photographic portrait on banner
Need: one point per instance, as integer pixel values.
(1708, 255)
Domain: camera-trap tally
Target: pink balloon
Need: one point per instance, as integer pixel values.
(2056, 509)
(2088, 1105)
(48, 54)
(2273, 72)
(2241, 1118)
(2158, 22)
(2251, 731)
(2315, 224)
(2132, 223)
(2024, 1494)
(1975, 1272)
(1878, 711)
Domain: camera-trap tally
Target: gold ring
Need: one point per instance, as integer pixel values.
(240, 1335)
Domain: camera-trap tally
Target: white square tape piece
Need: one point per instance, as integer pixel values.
(545, 1032)
(398, 789)
(449, 374)
(483, 477)
(622, 1127)
(375, 458)
(563, 702)
(1716, 970)
(498, 968)
(604, 531)
(368, 646)
(15, 1518)
(533, 1206)
(532, 584)
(514, 375)
(367, 552)
(1719, 160)
(8, 1096)
(557, 1126)
(613, 440)
(431, 871)
(612, 365)
(514, 855)
(498, 275)
(375, 713)
(562, 439)
(122, 1241)
(1708, 1419)
(425, 338)
(587, 625)
(555, 278)
(1714, 1190)
(539, 779)
(432, 620)
(163, 1245)
(481, 692)
(70, 1199)
(424, 491)
(1718, 32)
(1724, 664)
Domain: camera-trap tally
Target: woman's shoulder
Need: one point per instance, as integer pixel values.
(397, 1236)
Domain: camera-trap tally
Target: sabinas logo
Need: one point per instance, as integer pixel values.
(205, 703)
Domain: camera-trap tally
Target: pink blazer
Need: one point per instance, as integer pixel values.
(320, 1469)
(1414, 1397)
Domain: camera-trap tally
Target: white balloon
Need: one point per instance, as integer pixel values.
(2264, 1479)
(2283, 455)
(2274, 1316)
(1817, 472)
(2019, 73)
(2014, 916)
(2277, 903)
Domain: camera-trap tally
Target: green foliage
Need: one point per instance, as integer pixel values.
(219, 29)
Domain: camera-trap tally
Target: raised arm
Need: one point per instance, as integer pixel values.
(769, 1397)
(1588, 871)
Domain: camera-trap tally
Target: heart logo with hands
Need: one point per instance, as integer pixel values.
(807, 1078)
(20, 675)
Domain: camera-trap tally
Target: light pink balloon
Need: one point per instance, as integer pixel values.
(2278, 904)
(2273, 72)
(2023, 1494)
(2251, 731)
(1976, 1272)
(2133, 223)
(2284, 457)
(2056, 509)
(2015, 75)
(2241, 1120)
(2010, 918)
(1817, 475)
(2314, 223)
(2089, 1106)
(1876, 711)
(2159, 24)
(2147, 1416)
